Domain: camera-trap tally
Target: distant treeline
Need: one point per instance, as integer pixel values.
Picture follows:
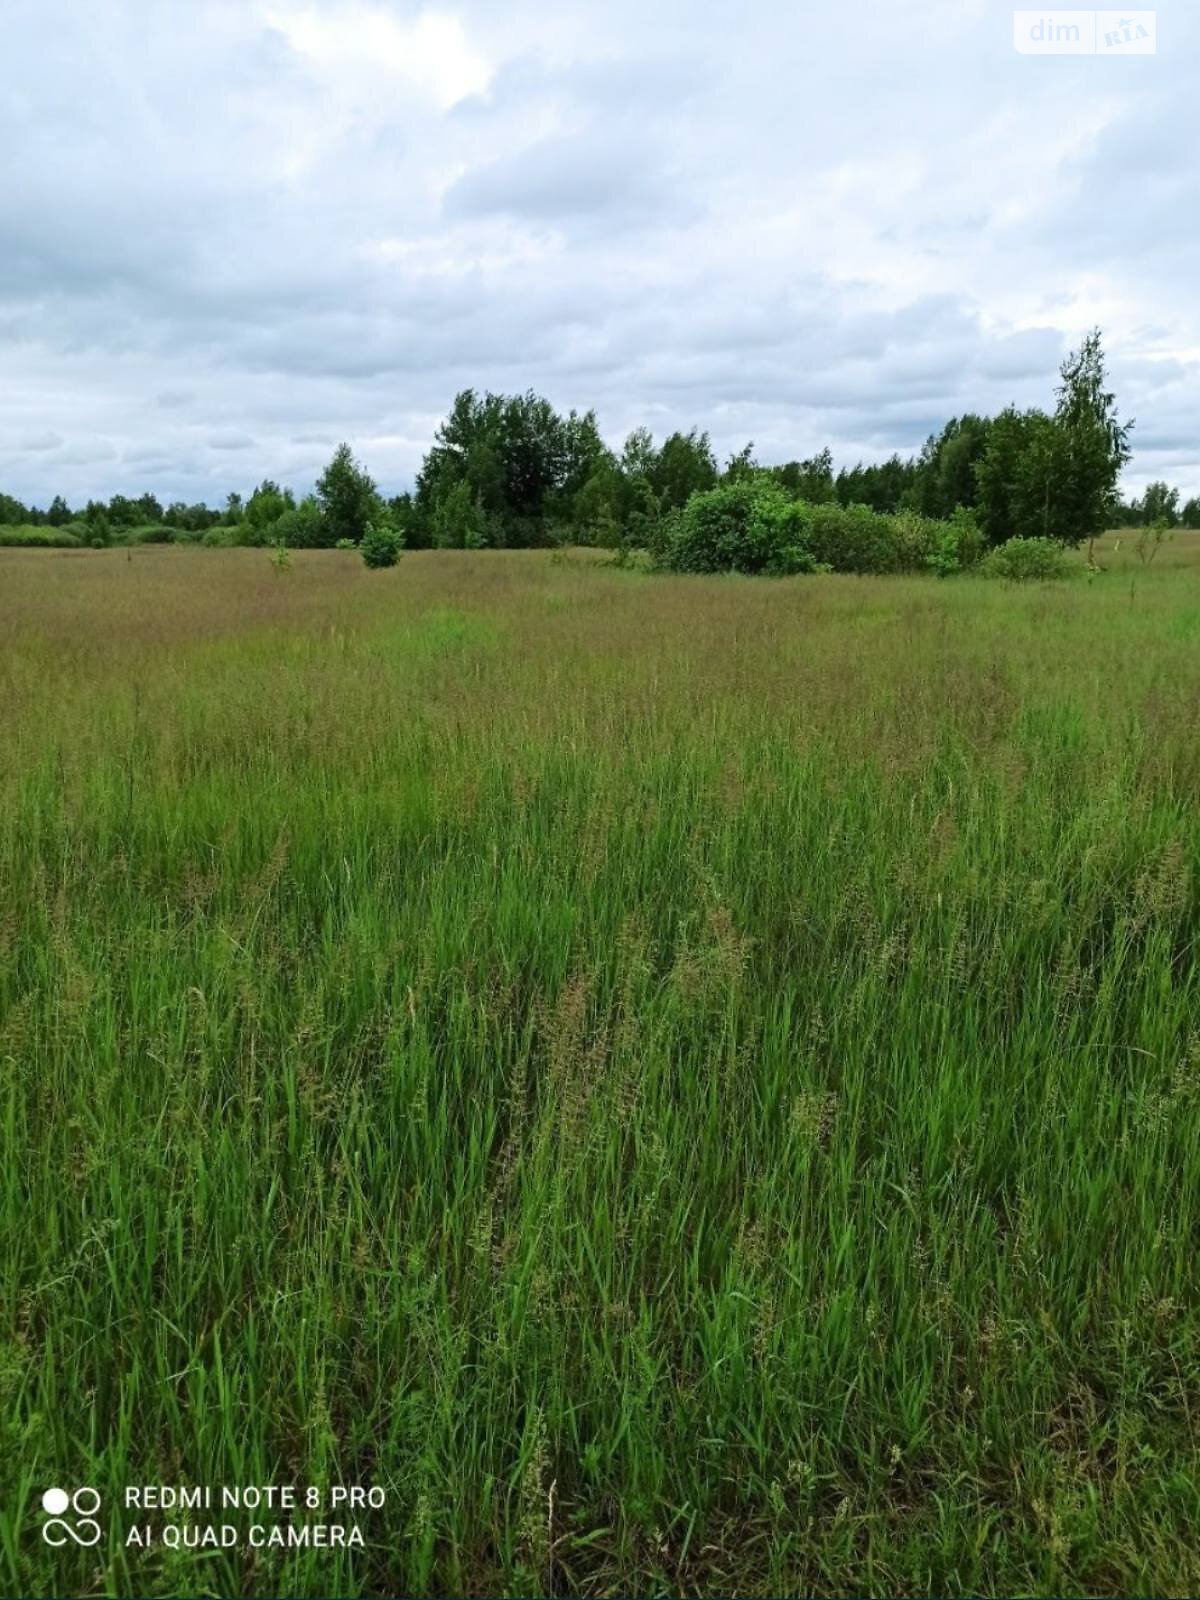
(510, 471)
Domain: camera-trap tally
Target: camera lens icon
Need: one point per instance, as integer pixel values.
(71, 1517)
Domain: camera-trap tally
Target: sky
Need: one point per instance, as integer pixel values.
(236, 232)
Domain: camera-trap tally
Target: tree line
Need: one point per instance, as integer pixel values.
(509, 471)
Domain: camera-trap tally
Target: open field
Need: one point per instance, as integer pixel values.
(687, 1084)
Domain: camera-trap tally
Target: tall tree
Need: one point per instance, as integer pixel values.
(684, 466)
(1096, 445)
(1160, 503)
(347, 497)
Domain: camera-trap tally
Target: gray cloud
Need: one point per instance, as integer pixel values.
(234, 233)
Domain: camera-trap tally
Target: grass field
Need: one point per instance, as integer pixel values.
(687, 1085)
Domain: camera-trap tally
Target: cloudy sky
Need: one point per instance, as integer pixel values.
(234, 232)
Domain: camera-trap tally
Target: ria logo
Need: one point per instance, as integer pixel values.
(1086, 33)
(81, 1528)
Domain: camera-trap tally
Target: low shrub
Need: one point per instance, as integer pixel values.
(345, 544)
(30, 538)
(380, 546)
(746, 526)
(1027, 560)
(301, 527)
(856, 539)
(754, 526)
(956, 545)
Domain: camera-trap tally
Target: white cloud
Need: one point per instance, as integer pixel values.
(361, 50)
(294, 221)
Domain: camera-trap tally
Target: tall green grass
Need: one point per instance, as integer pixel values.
(689, 1085)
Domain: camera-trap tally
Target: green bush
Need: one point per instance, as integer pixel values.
(301, 527)
(754, 526)
(957, 544)
(380, 545)
(746, 526)
(30, 538)
(1027, 560)
(857, 539)
(345, 544)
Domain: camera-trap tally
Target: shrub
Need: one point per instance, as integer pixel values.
(956, 544)
(856, 539)
(752, 525)
(345, 544)
(794, 561)
(380, 545)
(29, 538)
(1026, 560)
(745, 526)
(302, 527)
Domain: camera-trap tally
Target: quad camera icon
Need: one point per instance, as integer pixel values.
(71, 1517)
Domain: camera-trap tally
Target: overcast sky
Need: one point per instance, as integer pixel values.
(235, 232)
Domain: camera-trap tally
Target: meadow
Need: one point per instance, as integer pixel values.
(688, 1085)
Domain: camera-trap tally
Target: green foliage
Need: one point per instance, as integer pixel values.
(511, 471)
(1095, 445)
(752, 525)
(741, 466)
(99, 529)
(195, 519)
(1159, 504)
(859, 540)
(946, 470)
(1004, 481)
(257, 524)
(1055, 477)
(27, 538)
(684, 466)
(302, 527)
(413, 529)
(1150, 541)
(380, 545)
(1189, 517)
(347, 498)
(885, 486)
(596, 513)
(345, 544)
(505, 470)
(12, 513)
(458, 520)
(737, 527)
(1027, 560)
(810, 480)
(956, 544)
